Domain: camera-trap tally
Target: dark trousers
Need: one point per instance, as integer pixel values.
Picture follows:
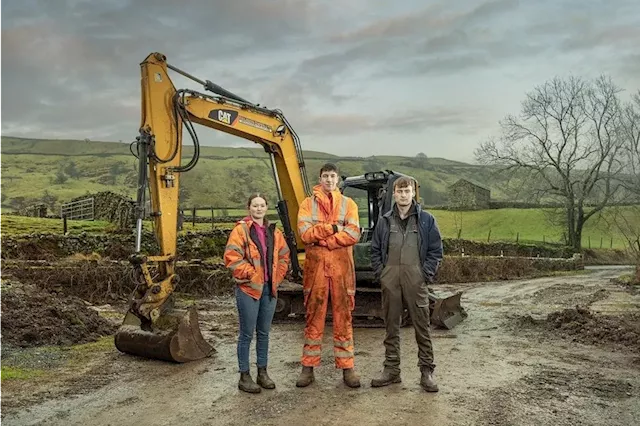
(405, 283)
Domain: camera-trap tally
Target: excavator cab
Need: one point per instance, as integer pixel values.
(373, 193)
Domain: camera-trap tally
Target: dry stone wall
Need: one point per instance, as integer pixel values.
(35, 210)
(115, 208)
(205, 244)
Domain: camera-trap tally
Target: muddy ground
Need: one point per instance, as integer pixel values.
(509, 363)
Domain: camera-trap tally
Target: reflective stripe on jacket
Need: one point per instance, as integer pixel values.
(328, 253)
(244, 258)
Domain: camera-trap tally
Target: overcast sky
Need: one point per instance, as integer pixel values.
(354, 77)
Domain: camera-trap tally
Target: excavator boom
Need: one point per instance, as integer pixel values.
(152, 327)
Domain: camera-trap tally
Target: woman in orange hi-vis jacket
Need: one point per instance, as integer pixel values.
(328, 225)
(258, 257)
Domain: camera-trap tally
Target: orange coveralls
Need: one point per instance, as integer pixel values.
(328, 269)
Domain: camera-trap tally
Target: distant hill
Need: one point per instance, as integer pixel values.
(54, 171)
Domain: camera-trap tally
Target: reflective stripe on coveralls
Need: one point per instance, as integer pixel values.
(328, 270)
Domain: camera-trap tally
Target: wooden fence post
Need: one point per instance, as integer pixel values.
(64, 224)
(193, 218)
(212, 221)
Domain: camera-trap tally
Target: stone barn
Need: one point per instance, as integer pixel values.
(465, 194)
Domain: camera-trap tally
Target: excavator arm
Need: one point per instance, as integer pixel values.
(152, 327)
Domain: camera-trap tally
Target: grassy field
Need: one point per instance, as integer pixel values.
(54, 172)
(21, 225)
(528, 225)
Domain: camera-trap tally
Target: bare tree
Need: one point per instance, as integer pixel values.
(627, 218)
(564, 146)
(631, 133)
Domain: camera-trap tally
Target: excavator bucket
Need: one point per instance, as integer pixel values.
(175, 336)
(446, 312)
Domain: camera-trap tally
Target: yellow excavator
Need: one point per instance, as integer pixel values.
(153, 327)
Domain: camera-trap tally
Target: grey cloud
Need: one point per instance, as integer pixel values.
(77, 63)
(439, 41)
(427, 22)
(435, 39)
(410, 121)
(72, 68)
(626, 36)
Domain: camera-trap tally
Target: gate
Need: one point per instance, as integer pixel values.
(78, 210)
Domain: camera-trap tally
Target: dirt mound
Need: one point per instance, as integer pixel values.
(583, 326)
(33, 317)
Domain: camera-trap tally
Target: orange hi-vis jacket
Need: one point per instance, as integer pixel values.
(334, 256)
(243, 257)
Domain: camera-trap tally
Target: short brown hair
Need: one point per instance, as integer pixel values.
(256, 195)
(403, 182)
(329, 167)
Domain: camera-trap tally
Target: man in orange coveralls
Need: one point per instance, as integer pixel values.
(328, 224)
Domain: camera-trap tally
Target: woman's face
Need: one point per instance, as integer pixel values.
(258, 208)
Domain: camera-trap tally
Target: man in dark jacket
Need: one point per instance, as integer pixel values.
(406, 251)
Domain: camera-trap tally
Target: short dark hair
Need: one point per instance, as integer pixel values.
(257, 195)
(403, 182)
(329, 167)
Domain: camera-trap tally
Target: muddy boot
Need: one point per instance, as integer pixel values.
(264, 380)
(350, 378)
(306, 377)
(385, 379)
(426, 381)
(247, 384)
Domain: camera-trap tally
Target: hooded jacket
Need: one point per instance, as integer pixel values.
(246, 259)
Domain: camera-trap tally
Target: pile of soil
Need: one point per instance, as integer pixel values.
(32, 316)
(581, 325)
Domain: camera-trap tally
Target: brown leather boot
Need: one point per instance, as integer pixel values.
(247, 384)
(350, 378)
(385, 379)
(264, 380)
(426, 381)
(306, 377)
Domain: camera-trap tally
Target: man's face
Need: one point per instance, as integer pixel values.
(329, 181)
(403, 196)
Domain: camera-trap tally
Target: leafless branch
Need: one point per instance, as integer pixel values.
(566, 145)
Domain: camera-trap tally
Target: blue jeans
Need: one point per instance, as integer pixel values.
(255, 316)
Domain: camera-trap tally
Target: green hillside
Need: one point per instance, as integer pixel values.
(55, 171)
(525, 225)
